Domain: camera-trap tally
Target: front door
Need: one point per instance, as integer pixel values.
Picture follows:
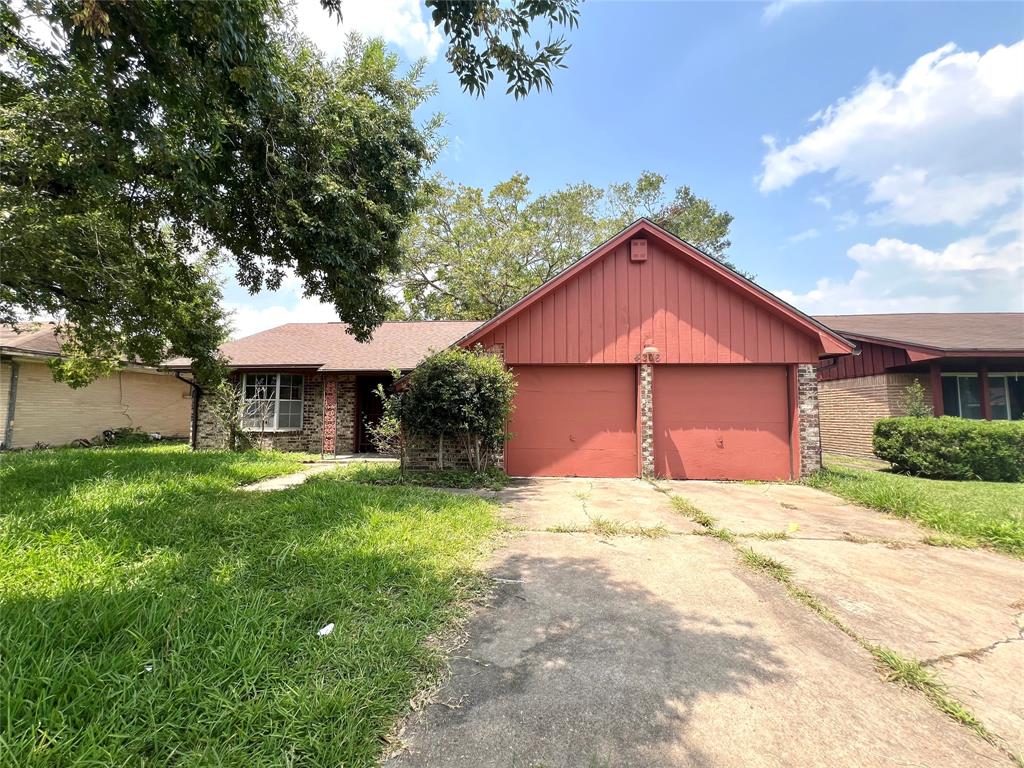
(369, 409)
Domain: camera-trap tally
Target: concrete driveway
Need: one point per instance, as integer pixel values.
(617, 637)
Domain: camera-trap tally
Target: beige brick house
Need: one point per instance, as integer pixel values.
(35, 409)
(971, 365)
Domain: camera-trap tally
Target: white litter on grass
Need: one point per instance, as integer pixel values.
(325, 630)
(147, 667)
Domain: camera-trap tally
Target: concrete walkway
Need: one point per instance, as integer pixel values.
(281, 482)
(662, 649)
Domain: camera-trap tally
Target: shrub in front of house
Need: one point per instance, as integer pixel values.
(456, 404)
(950, 448)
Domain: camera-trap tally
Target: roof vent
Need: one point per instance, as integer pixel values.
(638, 250)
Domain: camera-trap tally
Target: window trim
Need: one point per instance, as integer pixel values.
(277, 400)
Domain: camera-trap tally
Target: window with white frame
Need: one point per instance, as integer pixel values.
(273, 401)
(1006, 395)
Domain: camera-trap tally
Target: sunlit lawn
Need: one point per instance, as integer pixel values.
(969, 513)
(152, 614)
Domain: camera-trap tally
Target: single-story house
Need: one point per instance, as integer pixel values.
(36, 410)
(970, 364)
(316, 384)
(646, 357)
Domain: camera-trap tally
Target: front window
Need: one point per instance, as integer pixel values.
(1006, 395)
(273, 401)
(961, 395)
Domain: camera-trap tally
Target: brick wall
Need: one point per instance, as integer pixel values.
(850, 407)
(422, 455)
(51, 412)
(345, 425)
(809, 426)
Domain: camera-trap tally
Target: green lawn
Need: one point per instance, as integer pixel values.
(151, 614)
(964, 513)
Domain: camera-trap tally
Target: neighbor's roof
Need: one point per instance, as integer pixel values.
(30, 338)
(329, 347)
(955, 332)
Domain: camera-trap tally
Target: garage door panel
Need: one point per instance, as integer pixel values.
(721, 422)
(574, 421)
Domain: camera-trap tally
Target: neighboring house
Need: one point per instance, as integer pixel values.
(646, 357)
(970, 365)
(35, 409)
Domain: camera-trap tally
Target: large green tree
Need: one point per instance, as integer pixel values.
(469, 254)
(149, 139)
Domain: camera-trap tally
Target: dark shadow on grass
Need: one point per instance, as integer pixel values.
(583, 669)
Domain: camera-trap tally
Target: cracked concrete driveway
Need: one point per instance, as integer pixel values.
(662, 649)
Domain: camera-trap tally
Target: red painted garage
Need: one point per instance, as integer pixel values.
(649, 357)
(574, 420)
(719, 422)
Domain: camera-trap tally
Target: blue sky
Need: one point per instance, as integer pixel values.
(872, 153)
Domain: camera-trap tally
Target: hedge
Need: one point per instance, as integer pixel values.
(952, 449)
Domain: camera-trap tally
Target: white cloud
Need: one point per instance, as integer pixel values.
(949, 128)
(403, 23)
(807, 234)
(778, 7)
(983, 273)
(846, 219)
(823, 200)
(911, 198)
(291, 307)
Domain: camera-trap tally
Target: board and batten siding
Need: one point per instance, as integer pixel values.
(51, 412)
(611, 310)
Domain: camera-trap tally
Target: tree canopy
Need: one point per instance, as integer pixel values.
(150, 142)
(469, 254)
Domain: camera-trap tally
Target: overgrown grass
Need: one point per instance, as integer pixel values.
(381, 473)
(603, 526)
(989, 514)
(154, 615)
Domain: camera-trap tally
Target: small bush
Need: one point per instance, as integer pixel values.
(915, 400)
(952, 449)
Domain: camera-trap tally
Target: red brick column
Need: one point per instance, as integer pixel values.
(330, 413)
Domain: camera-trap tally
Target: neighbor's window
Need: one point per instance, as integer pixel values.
(273, 401)
(961, 395)
(1006, 395)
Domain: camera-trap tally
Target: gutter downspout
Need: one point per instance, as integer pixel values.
(12, 398)
(197, 392)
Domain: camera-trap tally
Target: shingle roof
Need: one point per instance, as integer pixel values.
(960, 331)
(33, 338)
(329, 347)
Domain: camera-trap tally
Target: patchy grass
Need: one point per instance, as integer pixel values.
(913, 674)
(603, 526)
(766, 535)
(857, 462)
(989, 514)
(154, 615)
(949, 540)
(387, 473)
(692, 511)
(708, 523)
